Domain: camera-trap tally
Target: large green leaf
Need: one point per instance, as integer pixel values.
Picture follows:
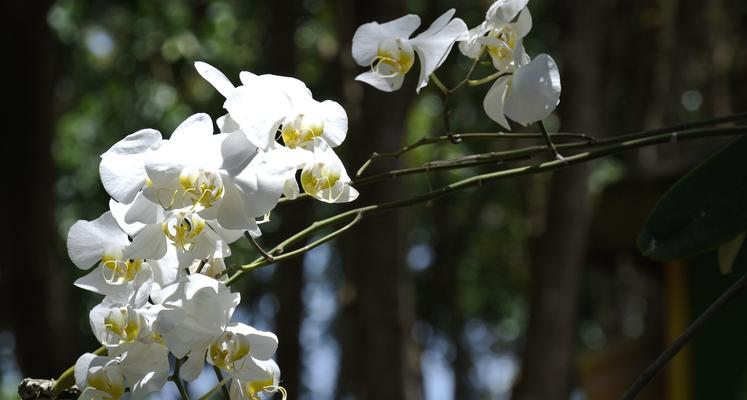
(704, 209)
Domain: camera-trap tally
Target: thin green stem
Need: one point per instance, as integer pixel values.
(201, 266)
(279, 249)
(548, 141)
(469, 73)
(446, 108)
(590, 138)
(446, 92)
(488, 78)
(440, 85)
(478, 180)
(467, 136)
(267, 256)
(679, 343)
(178, 381)
(67, 378)
(499, 157)
(222, 382)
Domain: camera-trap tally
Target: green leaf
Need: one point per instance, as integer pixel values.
(727, 253)
(703, 210)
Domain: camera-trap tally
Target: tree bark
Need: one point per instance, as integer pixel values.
(36, 292)
(374, 324)
(548, 362)
(280, 48)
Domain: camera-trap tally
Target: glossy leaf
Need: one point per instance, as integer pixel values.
(702, 211)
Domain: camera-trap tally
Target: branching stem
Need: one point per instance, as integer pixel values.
(548, 141)
(611, 147)
(460, 137)
(267, 256)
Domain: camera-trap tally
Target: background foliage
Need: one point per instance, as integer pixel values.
(444, 301)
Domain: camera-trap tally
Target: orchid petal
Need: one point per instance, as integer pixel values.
(121, 169)
(335, 122)
(258, 109)
(368, 36)
(195, 127)
(434, 44)
(214, 77)
(535, 91)
(383, 83)
(504, 11)
(87, 241)
(495, 101)
(119, 211)
(150, 243)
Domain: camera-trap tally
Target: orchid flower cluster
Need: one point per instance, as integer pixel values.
(524, 90)
(176, 206)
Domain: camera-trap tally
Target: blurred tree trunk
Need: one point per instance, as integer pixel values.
(289, 281)
(36, 292)
(548, 362)
(374, 324)
(452, 242)
(280, 49)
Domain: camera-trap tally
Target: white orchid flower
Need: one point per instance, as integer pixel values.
(99, 377)
(311, 119)
(305, 118)
(240, 345)
(122, 168)
(183, 171)
(390, 53)
(214, 175)
(194, 313)
(143, 368)
(275, 170)
(506, 23)
(258, 106)
(325, 178)
(118, 326)
(193, 237)
(260, 378)
(299, 117)
(527, 96)
(123, 278)
(261, 103)
(101, 242)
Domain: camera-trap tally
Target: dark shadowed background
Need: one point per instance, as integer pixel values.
(530, 288)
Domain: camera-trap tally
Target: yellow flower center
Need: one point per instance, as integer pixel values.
(105, 382)
(300, 130)
(122, 325)
(201, 187)
(502, 53)
(394, 57)
(183, 229)
(118, 271)
(253, 388)
(319, 177)
(228, 350)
